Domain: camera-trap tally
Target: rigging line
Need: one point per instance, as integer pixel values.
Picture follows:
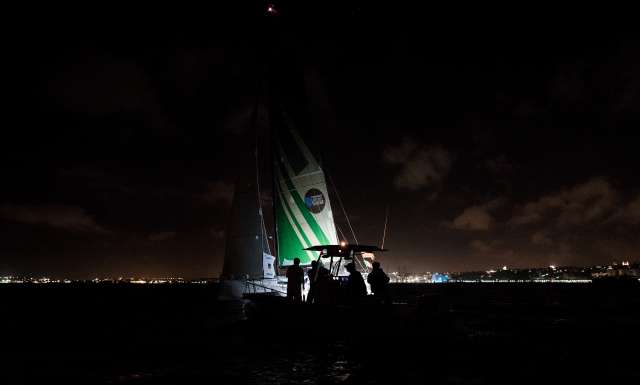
(361, 263)
(384, 232)
(263, 229)
(254, 124)
(265, 235)
(344, 211)
(341, 233)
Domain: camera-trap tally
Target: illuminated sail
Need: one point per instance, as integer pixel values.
(302, 208)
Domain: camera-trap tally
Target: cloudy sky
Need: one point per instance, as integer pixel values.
(488, 148)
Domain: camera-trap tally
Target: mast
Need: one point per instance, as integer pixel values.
(246, 233)
(246, 230)
(302, 210)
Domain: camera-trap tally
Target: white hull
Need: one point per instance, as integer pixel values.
(235, 289)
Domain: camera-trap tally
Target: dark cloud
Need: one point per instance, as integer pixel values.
(564, 253)
(579, 205)
(69, 218)
(629, 214)
(541, 238)
(400, 153)
(481, 246)
(493, 250)
(617, 249)
(162, 236)
(421, 166)
(473, 218)
(476, 217)
(497, 252)
(632, 212)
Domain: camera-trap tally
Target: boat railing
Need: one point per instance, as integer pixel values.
(253, 286)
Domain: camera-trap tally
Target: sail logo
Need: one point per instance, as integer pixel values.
(314, 200)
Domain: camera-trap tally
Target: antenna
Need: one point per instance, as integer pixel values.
(386, 221)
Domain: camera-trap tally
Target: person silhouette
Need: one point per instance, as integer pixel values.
(317, 275)
(379, 282)
(355, 284)
(295, 278)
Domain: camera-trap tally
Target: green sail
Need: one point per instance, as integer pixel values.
(302, 207)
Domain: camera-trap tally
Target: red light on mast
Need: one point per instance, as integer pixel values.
(271, 10)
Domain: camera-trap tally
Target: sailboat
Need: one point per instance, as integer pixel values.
(303, 220)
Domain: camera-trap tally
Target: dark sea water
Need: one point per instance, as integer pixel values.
(441, 334)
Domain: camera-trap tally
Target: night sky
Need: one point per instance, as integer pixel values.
(501, 146)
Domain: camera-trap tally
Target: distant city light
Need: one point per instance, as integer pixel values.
(549, 274)
(439, 278)
(343, 244)
(520, 281)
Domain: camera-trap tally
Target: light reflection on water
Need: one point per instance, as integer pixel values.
(328, 366)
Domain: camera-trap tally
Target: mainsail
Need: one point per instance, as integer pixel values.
(247, 251)
(245, 245)
(303, 215)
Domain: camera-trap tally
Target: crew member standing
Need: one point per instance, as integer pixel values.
(356, 288)
(317, 279)
(379, 282)
(295, 278)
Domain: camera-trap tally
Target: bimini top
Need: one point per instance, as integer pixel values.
(345, 250)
